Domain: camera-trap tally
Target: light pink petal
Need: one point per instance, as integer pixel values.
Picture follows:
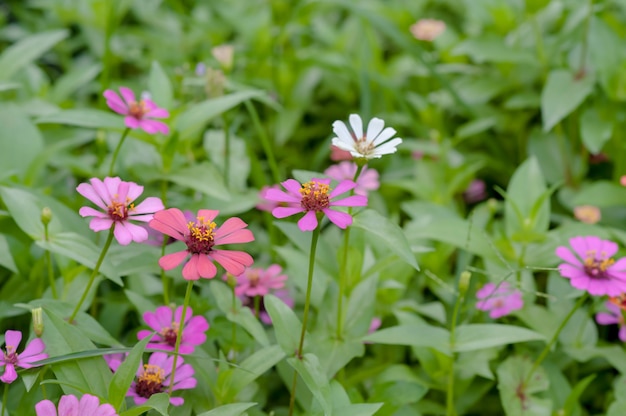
(89, 192)
(153, 126)
(351, 201)
(307, 223)
(170, 261)
(157, 113)
(100, 224)
(196, 326)
(604, 318)
(567, 270)
(108, 189)
(123, 235)
(282, 212)
(10, 375)
(68, 406)
(606, 249)
(206, 268)
(280, 196)
(13, 338)
(374, 127)
(485, 291)
(115, 103)
(131, 122)
(343, 186)
(232, 232)
(619, 265)
(91, 212)
(340, 219)
(208, 214)
(163, 315)
(88, 404)
(357, 125)
(183, 372)
(190, 271)
(139, 234)
(234, 262)
(134, 191)
(32, 352)
(46, 408)
(170, 222)
(293, 186)
(128, 95)
(565, 254)
(177, 401)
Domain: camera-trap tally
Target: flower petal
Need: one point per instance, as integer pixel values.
(128, 95)
(386, 134)
(115, 103)
(307, 223)
(351, 201)
(340, 219)
(190, 271)
(46, 408)
(374, 127)
(234, 262)
(342, 187)
(206, 268)
(282, 212)
(233, 232)
(170, 261)
(170, 222)
(357, 125)
(13, 338)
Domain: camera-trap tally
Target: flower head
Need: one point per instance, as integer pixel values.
(500, 299)
(613, 316)
(282, 294)
(591, 266)
(587, 214)
(367, 180)
(201, 237)
(427, 29)
(475, 191)
(373, 144)
(69, 405)
(115, 197)
(168, 326)
(313, 197)
(139, 114)
(11, 359)
(259, 282)
(154, 377)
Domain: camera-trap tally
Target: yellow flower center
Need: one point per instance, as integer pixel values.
(315, 196)
(200, 239)
(595, 267)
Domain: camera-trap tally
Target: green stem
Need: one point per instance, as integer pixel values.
(226, 150)
(257, 306)
(305, 316)
(48, 260)
(344, 264)
(5, 396)
(164, 282)
(555, 336)
(265, 140)
(117, 150)
(107, 55)
(585, 42)
(234, 332)
(450, 410)
(94, 273)
(179, 334)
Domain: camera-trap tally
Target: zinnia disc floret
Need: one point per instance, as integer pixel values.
(591, 266)
(201, 237)
(116, 200)
(313, 197)
(140, 114)
(373, 144)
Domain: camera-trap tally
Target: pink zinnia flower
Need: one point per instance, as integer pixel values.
(614, 316)
(591, 266)
(282, 294)
(427, 29)
(500, 299)
(201, 237)
(259, 282)
(367, 180)
(154, 377)
(70, 406)
(11, 359)
(139, 114)
(115, 360)
(115, 197)
(167, 327)
(313, 197)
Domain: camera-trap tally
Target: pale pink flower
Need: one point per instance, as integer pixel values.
(259, 282)
(614, 316)
(374, 325)
(224, 54)
(315, 197)
(373, 144)
(154, 377)
(500, 299)
(139, 114)
(11, 359)
(70, 406)
(115, 198)
(167, 327)
(622, 180)
(427, 29)
(591, 266)
(587, 214)
(367, 180)
(201, 237)
(337, 154)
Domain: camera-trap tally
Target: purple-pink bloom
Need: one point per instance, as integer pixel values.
(11, 359)
(500, 299)
(591, 266)
(367, 180)
(69, 405)
(282, 294)
(315, 197)
(259, 282)
(475, 192)
(154, 377)
(613, 316)
(168, 326)
(115, 198)
(139, 114)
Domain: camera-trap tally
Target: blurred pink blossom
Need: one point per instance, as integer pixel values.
(167, 325)
(427, 29)
(337, 154)
(69, 405)
(475, 191)
(367, 180)
(500, 299)
(587, 214)
(613, 316)
(139, 114)
(259, 282)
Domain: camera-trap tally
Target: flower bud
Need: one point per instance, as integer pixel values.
(46, 215)
(37, 314)
(464, 282)
(224, 54)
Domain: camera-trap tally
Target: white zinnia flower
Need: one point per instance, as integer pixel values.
(372, 145)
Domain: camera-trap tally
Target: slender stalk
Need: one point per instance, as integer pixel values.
(48, 259)
(307, 301)
(226, 150)
(344, 265)
(179, 334)
(450, 410)
(117, 150)
(548, 347)
(105, 75)
(234, 332)
(257, 306)
(5, 396)
(265, 140)
(585, 41)
(94, 273)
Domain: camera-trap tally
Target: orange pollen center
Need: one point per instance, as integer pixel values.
(137, 109)
(595, 267)
(118, 211)
(253, 278)
(201, 236)
(150, 381)
(170, 333)
(619, 301)
(315, 196)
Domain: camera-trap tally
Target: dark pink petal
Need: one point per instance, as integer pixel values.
(164, 317)
(91, 194)
(9, 375)
(190, 270)
(45, 408)
(604, 318)
(619, 265)
(146, 333)
(170, 261)
(235, 262)
(206, 268)
(179, 313)
(606, 249)
(115, 103)
(33, 352)
(170, 222)
(282, 212)
(183, 372)
(342, 187)
(565, 254)
(340, 219)
(90, 212)
(100, 224)
(351, 201)
(13, 338)
(293, 186)
(308, 222)
(128, 95)
(131, 122)
(567, 270)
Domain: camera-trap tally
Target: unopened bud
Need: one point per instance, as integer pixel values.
(230, 280)
(224, 54)
(37, 321)
(464, 282)
(46, 215)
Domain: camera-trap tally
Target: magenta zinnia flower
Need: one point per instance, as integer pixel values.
(11, 359)
(313, 197)
(139, 114)
(115, 197)
(167, 327)
(500, 299)
(154, 377)
(70, 406)
(614, 316)
(201, 237)
(592, 267)
(367, 180)
(259, 282)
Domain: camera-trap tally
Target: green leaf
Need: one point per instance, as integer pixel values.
(159, 402)
(22, 53)
(125, 374)
(202, 177)
(594, 130)
(472, 337)
(6, 258)
(572, 400)
(85, 117)
(160, 86)
(310, 370)
(20, 141)
(359, 409)
(417, 335)
(235, 409)
(601, 194)
(72, 80)
(385, 232)
(518, 400)
(561, 95)
(254, 366)
(285, 322)
(492, 48)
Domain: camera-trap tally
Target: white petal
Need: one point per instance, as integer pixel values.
(384, 136)
(386, 148)
(357, 125)
(374, 128)
(338, 142)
